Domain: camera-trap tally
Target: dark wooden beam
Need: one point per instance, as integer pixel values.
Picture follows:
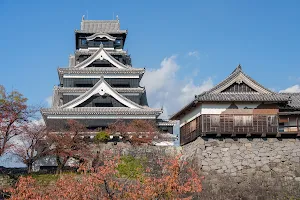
(278, 134)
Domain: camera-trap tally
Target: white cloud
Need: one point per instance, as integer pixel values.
(165, 90)
(194, 54)
(292, 89)
(49, 101)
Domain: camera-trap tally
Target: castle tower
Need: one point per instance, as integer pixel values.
(100, 85)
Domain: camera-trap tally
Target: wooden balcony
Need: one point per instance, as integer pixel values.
(263, 123)
(239, 124)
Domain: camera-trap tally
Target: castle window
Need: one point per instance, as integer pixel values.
(83, 42)
(104, 105)
(272, 120)
(215, 120)
(117, 43)
(246, 120)
(193, 125)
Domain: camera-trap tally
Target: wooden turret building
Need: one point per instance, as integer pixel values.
(240, 107)
(100, 85)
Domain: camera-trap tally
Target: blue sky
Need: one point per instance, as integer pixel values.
(189, 44)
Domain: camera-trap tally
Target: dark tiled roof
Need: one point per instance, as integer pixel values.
(242, 97)
(100, 70)
(84, 89)
(294, 100)
(91, 51)
(101, 111)
(105, 26)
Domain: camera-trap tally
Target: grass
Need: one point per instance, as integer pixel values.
(47, 179)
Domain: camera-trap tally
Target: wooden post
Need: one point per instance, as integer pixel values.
(297, 124)
(278, 134)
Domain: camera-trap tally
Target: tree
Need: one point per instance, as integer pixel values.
(136, 131)
(68, 143)
(32, 145)
(14, 115)
(172, 182)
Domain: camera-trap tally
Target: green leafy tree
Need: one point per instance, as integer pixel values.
(102, 137)
(130, 167)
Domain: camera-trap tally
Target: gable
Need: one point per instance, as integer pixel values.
(239, 87)
(101, 101)
(234, 81)
(101, 54)
(101, 88)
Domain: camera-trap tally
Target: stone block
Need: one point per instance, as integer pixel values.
(204, 163)
(256, 158)
(206, 168)
(259, 164)
(233, 170)
(214, 155)
(265, 168)
(208, 149)
(295, 159)
(277, 169)
(224, 149)
(234, 147)
(227, 145)
(248, 145)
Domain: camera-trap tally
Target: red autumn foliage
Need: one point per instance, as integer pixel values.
(68, 143)
(31, 145)
(135, 131)
(14, 116)
(103, 183)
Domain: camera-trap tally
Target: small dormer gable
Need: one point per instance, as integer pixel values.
(239, 82)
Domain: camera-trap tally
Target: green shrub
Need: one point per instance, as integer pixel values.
(130, 167)
(102, 137)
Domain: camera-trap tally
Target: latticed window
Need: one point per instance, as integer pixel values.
(246, 120)
(193, 125)
(215, 120)
(272, 120)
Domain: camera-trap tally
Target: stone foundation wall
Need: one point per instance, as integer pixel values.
(248, 157)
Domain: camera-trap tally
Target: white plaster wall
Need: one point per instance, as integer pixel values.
(248, 105)
(214, 108)
(190, 116)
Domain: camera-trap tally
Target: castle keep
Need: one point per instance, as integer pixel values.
(100, 85)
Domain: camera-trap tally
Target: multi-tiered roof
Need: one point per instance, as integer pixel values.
(100, 85)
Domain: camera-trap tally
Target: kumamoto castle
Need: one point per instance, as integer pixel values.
(101, 86)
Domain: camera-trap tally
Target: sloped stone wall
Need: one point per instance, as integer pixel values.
(246, 169)
(248, 157)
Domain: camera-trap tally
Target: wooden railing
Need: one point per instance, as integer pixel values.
(229, 125)
(239, 124)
